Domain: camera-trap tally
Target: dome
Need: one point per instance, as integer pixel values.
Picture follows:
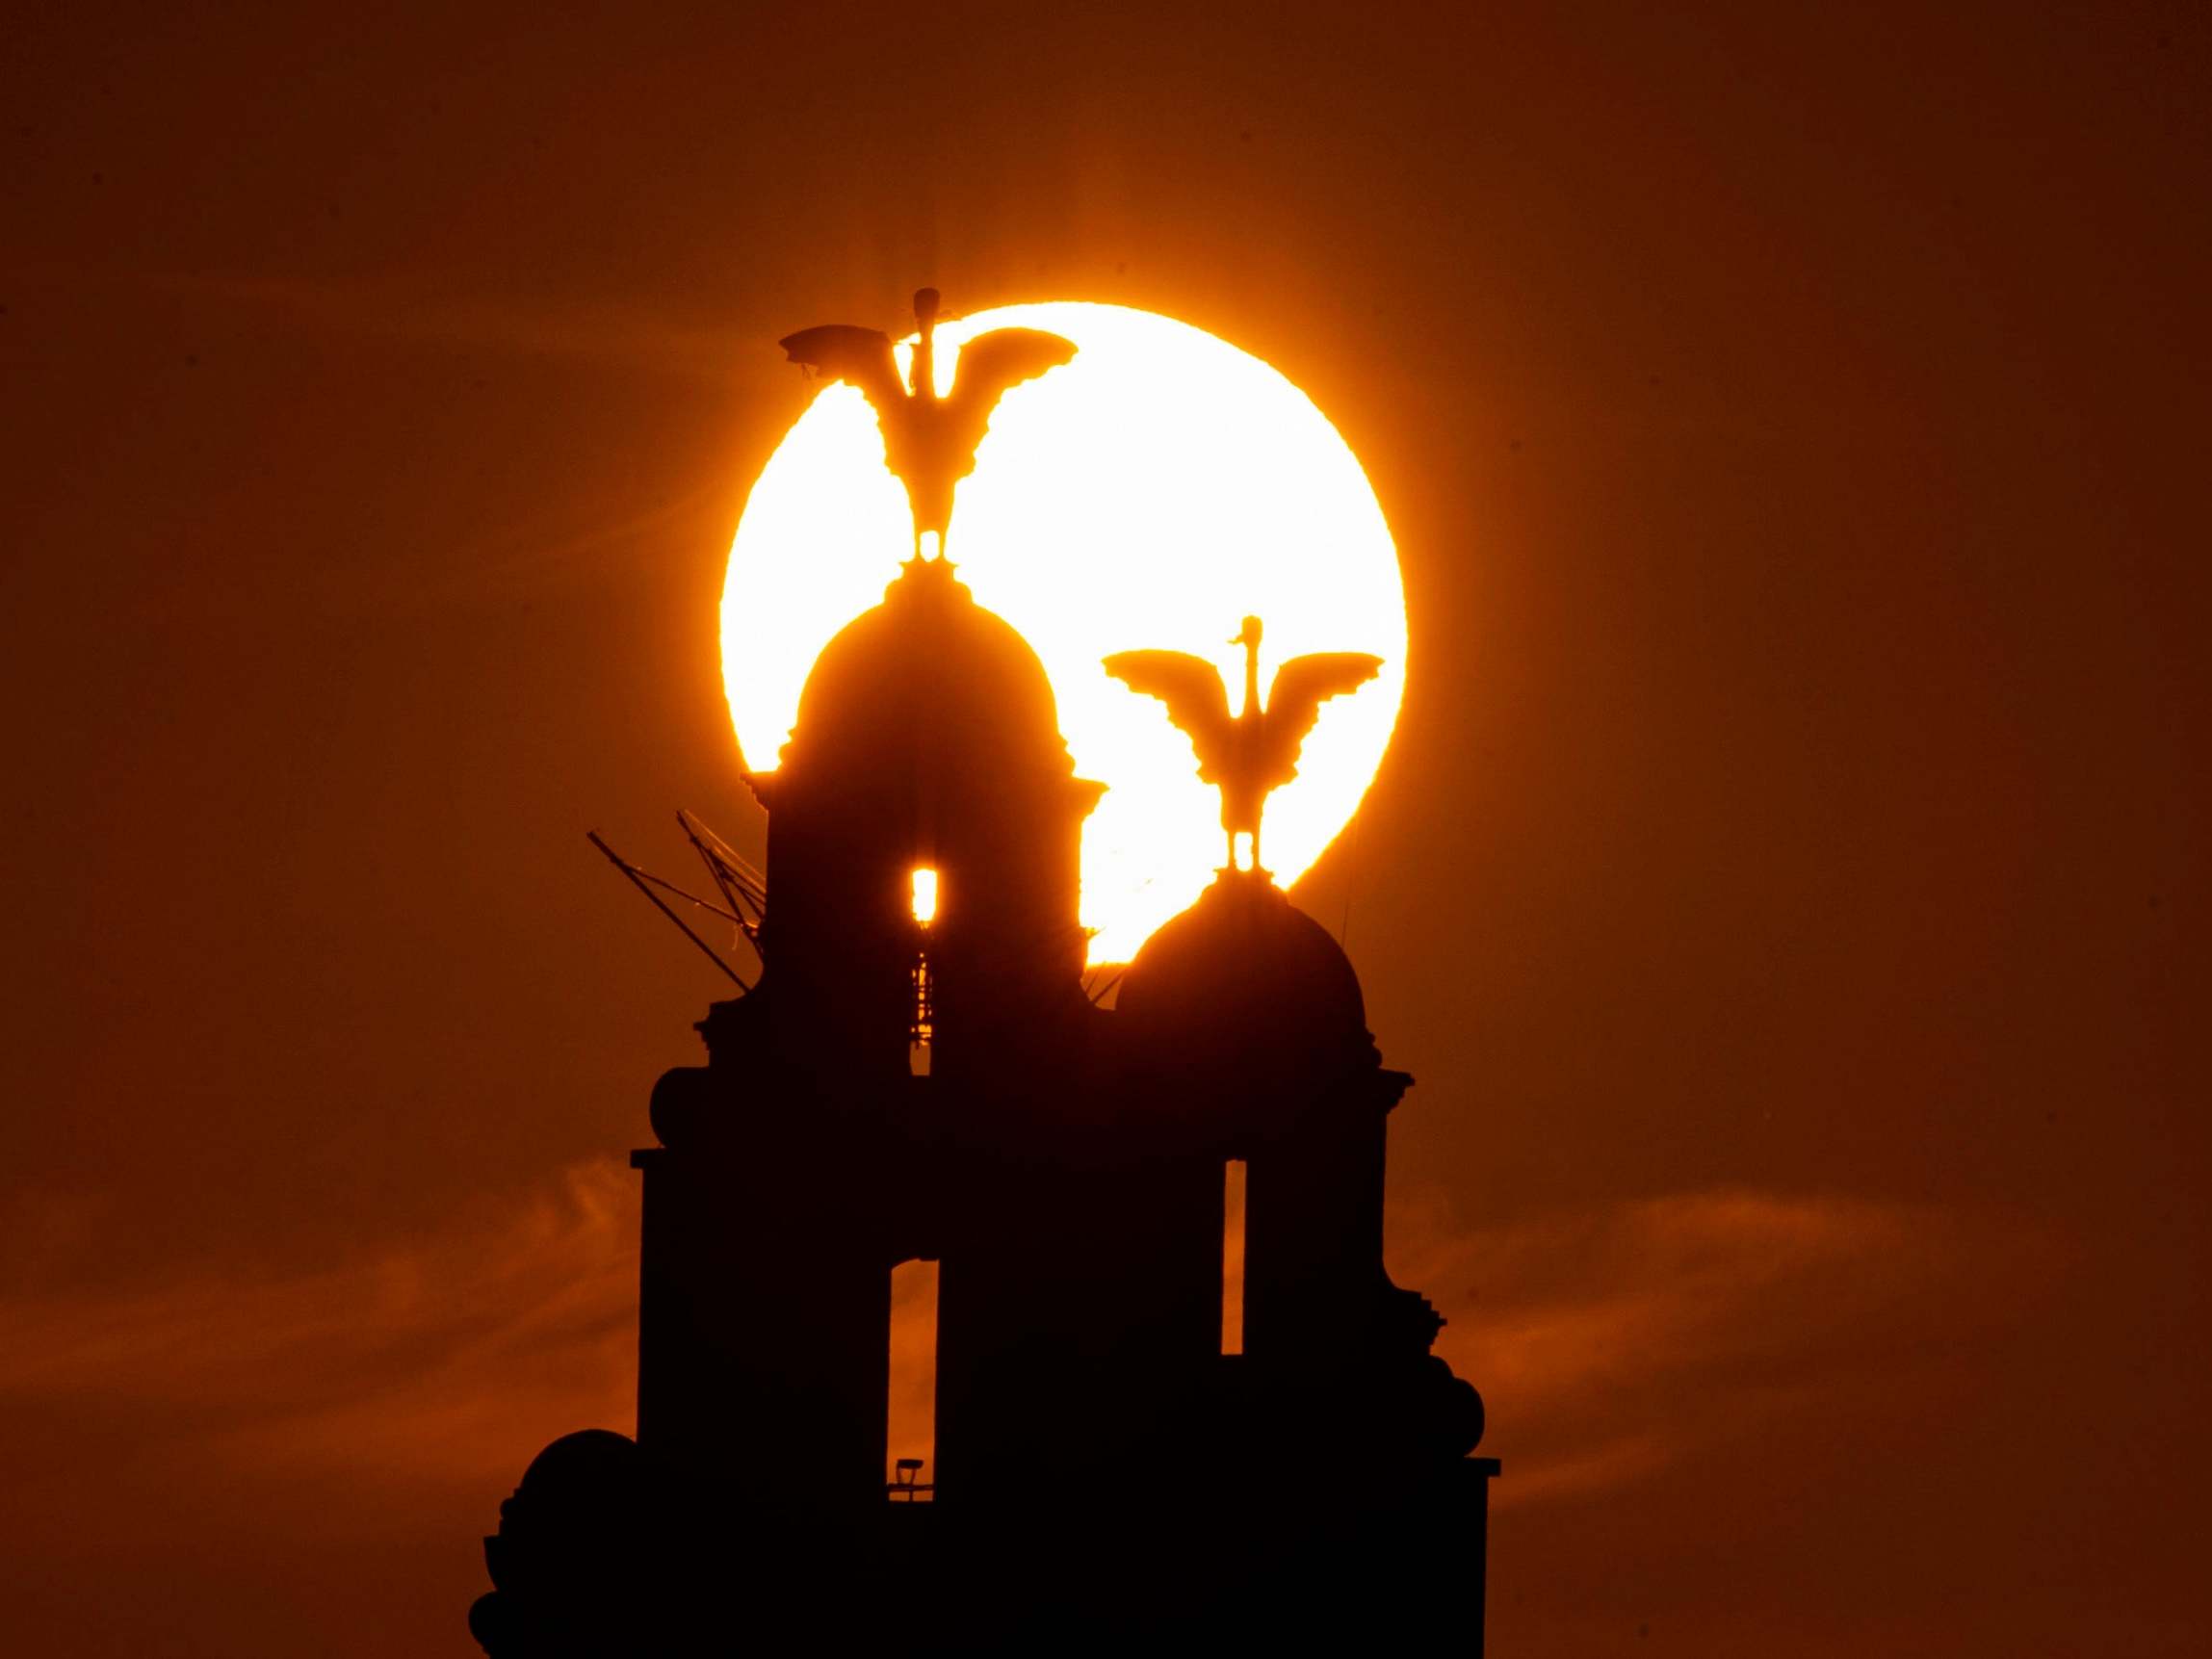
(926, 665)
(1244, 981)
(591, 1467)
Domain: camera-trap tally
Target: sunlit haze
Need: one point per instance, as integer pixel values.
(1150, 494)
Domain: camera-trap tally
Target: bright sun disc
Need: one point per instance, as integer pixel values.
(1150, 494)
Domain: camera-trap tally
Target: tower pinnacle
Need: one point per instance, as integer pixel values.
(930, 442)
(1249, 755)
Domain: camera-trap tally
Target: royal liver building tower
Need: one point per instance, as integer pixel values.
(932, 1082)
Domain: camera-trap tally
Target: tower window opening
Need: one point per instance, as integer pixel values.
(1233, 1258)
(921, 1022)
(910, 1422)
(920, 1018)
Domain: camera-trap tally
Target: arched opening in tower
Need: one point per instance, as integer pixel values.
(910, 1422)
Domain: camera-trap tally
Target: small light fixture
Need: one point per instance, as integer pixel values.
(908, 1482)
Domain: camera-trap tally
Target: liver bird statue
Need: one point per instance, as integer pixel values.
(930, 442)
(1248, 755)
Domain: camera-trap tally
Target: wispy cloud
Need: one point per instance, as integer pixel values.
(1612, 1341)
(1609, 1342)
(448, 1360)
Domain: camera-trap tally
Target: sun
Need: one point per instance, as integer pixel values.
(1150, 494)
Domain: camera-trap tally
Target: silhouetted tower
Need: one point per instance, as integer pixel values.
(1246, 1015)
(1105, 1472)
(806, 1159)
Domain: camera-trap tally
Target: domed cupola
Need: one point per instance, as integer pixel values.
(927, 739)
(926, 676)
(1246, 988)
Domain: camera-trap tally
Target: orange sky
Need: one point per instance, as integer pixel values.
(1786, 886)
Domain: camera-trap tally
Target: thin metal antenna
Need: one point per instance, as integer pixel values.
(734, 873)
(732, 870)
(741, 886)
(689, 897)
(636, 880)
(722, 883)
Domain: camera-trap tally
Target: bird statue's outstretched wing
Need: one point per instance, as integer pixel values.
(989, 366)
(1301, 686)
(1197, 702)
(840, 351)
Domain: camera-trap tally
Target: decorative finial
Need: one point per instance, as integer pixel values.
(930, 442)
(1249, 755)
